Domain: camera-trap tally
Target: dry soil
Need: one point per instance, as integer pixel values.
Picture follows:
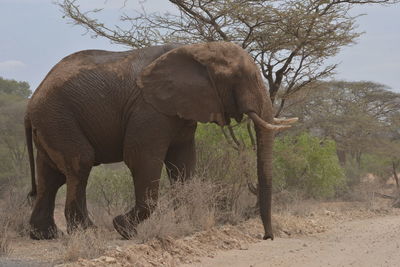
(367, 242)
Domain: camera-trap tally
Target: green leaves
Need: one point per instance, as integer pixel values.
(309, 164)
(12, 87)
(304, 163)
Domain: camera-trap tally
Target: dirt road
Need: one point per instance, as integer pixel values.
(370, 242)
(362, 242)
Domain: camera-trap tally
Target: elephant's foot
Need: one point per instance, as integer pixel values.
(45, 232)
(124, 226)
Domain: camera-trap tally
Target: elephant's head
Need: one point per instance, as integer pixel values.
(214, 82)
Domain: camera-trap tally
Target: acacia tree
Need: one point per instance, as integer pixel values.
(289, 39)
(362, 117)
(392, 146)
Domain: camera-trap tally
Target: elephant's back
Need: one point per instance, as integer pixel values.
(98, 70)
(73, 68)
(91, 88)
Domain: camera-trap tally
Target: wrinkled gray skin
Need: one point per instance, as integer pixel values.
(140, 107)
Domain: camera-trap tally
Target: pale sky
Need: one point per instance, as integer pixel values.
(34, 37)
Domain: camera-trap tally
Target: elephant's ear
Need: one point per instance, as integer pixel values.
(178, 84)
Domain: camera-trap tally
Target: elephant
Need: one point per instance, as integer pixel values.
(141, 107)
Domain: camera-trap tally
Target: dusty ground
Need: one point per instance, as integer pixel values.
(319, 234)
(366, 242)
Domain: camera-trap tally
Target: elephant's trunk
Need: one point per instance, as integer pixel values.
(265, 139)
(265, 132)
(258, 107)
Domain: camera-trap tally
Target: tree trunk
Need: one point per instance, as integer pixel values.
(341, 154)
(396, 178)
(358, 159)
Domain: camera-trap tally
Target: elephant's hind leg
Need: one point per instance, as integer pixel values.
(49, 181)
(76, 212)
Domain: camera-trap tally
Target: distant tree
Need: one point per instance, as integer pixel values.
(363, 118)
(290, 40)
(13, 99)
(357, 115)
(12, 136)
(391, 148)
(12, 87)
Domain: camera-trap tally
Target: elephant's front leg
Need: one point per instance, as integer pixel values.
(146, 143)
(146, 172)
(180, 161)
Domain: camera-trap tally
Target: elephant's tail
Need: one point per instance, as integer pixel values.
(28, 135)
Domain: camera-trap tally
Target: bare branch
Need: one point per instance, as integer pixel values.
(290, 40)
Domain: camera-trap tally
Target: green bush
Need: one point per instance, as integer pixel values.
(213, 135)
(218, 158)
(309, 164)
(303, 163)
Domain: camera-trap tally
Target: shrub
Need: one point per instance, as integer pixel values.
(307, 163)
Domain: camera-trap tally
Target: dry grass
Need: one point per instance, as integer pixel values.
(5, 246)
(192, 210)
(85, 244)
(217, 195)
(182, 209)
(230, 171)
(370, 192)
(234, 208)
(196, 205)
(16, 210)
(101, 217)
(293, 203)
(14, 219)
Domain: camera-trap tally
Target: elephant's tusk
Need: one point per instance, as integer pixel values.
(261, 123)
(285, 121)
